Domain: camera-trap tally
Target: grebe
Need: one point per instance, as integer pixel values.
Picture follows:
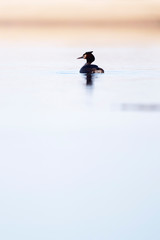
(88, 67)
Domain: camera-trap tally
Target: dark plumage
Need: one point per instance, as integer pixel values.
(88, 67)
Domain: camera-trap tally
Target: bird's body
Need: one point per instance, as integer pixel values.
(88, 67)
(91, 68)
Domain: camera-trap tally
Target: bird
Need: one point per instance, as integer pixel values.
(88, 67)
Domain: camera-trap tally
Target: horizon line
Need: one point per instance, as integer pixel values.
(88, 23)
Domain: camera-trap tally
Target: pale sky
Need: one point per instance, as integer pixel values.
(79, 10)
(51, 2)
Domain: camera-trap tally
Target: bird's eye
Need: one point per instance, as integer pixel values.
(84, 56)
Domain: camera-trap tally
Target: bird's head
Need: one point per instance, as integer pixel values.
(88, 56)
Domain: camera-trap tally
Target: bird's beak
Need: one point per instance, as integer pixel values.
(80, 57)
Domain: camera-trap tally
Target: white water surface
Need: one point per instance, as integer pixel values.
(79, 161)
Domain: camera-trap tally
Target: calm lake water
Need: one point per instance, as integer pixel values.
(79, 159)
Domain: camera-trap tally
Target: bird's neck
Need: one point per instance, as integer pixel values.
(88, 63)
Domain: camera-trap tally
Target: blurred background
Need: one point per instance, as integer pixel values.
(79, 158)
(72, 22)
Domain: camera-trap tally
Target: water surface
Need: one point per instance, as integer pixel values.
(78, 160)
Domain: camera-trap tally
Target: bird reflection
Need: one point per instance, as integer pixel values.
(89, 79)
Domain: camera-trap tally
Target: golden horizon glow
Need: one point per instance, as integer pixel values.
(72, 22)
